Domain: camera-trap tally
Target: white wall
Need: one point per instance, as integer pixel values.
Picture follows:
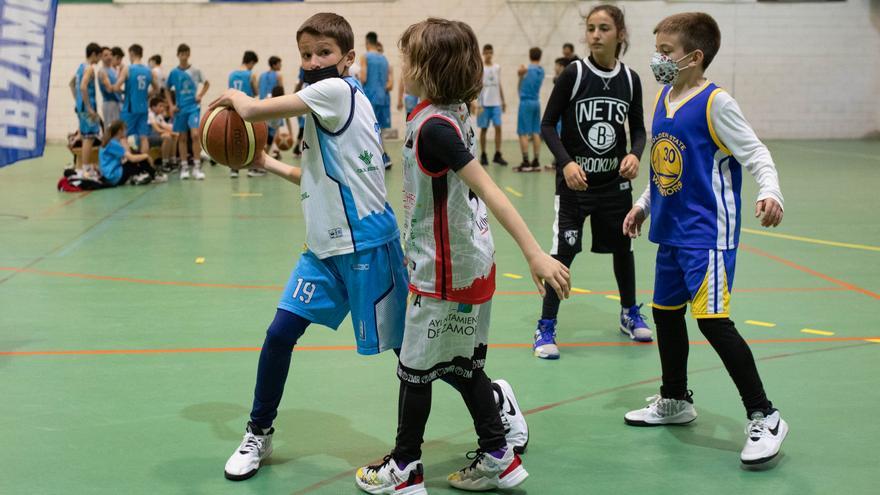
(798, 70)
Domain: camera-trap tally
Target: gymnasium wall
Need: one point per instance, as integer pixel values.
(799, 70)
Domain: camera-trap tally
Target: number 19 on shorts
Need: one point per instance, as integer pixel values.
(307, 288)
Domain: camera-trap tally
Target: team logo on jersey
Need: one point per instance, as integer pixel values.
(366, 157)
(571, 237)
(603, 113)
(667, 164)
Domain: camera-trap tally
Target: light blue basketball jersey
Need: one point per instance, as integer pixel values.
(91, 91)
(137, 88)
(185, 83)
(268, 81)
(377, 78)
(695, 181)
(112, 75)
(241, 80)
(530, 87)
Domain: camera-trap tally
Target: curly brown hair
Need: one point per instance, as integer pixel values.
(443, 56)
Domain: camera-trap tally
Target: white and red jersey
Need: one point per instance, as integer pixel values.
(447, 242)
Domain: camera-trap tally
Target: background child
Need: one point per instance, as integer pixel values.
(184, 81)
(111, 99)
(375, 75)
(137, 79)
(449, 253)
(271, 78)
(528, 118)
(595, 166)
(700, 143)
(82, 87)
(491, 106)
(118, 164)
(244, 78)
(161, 133)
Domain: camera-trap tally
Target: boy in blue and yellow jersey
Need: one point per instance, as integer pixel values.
(528, 119)
(700, 144)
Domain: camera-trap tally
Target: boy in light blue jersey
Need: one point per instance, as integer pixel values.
(271, 78)
(700, 144)
(528, 118)
(82, 88)
(137, 80)
(184, 81)
(377, 82)
(107, 77)
(491, 106)
(244, 78)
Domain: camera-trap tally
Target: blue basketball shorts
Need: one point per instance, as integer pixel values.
(383, 114)
(703, 277)
(528, 119)
(186, 119)
(87, 126)
(372, 285)
(136, 124)
(489, 114)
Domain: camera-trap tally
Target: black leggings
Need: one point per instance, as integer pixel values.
(131, 169)
(672, 341)
(624, 273)
(414, 407)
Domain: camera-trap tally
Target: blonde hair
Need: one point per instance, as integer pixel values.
(443, 56)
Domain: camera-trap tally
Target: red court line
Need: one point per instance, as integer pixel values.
(827, 278)
(177, 283)
(57, 207)
(205, 350)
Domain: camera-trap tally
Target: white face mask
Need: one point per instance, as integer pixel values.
(665, 69)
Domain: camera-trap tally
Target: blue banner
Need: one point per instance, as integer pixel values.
(27, 31)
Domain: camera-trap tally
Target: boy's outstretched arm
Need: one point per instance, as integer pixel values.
(254, 110)
(542, 267)
(281, 169)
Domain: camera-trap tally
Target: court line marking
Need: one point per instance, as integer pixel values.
(760, 323)
(816, 332)
(428, 444)
(827, 278)
(315, 348)
(513, 191)
(612, 297)
(513, 276)
(812, 240)
(578, 290)
(876, 341)
(52, 209)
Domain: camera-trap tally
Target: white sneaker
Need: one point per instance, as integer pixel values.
(197, 172)
(256, 172)
(233, 174)
(662, 411)
(184, 171)
(516, 430)
(488, 472)
(764, 436)
(245, 461)
(160, 178)
(140, 179)
(388, 477)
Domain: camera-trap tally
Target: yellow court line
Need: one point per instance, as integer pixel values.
(613, 298)
(580, 291)
(513, 276)
(816, 332)
(247, 195)
(200, 260)
(812, 241)
(513, 191)
(876, 341)
(760, 323)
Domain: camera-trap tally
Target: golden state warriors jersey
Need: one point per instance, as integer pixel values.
(695, 181)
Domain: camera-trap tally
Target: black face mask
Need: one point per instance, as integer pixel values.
(313, 76)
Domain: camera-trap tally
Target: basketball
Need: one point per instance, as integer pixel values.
(283, 140)
(230, 140)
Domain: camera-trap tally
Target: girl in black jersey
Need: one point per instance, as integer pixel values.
(595, 98)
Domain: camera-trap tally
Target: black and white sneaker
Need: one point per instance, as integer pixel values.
(764, 436)
(245, 461)
(516, 430)
(662, 411)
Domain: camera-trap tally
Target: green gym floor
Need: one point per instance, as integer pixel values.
(132, 319)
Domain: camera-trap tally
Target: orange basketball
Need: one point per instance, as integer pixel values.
(283, 139)
(231, 141)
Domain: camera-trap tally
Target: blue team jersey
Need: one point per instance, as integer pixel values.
(241, 80)
(695, 181)
(530, 87)
(377, 78)
(112, 75)
(80, 71)
(268, 81)
(110, 161)
(137, 87)
(185, 83)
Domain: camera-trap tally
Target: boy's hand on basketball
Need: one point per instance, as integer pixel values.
(226, 99)
(546, 269)
(575, 177)
(629, 167)
(769, 211)
(632, 224)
